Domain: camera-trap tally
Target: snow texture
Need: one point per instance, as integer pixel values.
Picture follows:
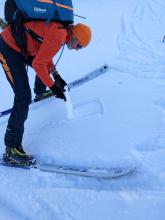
(117, 119)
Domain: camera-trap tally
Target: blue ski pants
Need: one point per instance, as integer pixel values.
(14, 67)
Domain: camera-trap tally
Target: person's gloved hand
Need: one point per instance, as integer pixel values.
(59, 80)
(58, 92)
(29, 60)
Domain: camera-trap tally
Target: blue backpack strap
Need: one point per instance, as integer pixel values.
(34, 35)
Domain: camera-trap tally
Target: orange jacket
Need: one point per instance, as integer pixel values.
(53, 37)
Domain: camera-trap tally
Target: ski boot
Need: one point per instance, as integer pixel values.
(18, 157)
(44, 95)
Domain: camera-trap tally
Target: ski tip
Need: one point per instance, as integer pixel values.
(104, 68)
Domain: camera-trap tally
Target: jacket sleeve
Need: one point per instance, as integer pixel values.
(50, 66)
(52, 42)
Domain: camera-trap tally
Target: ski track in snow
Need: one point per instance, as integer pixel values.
(137, 54)
(140, 58)
(144, 57)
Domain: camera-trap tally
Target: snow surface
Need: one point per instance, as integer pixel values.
(116, 119)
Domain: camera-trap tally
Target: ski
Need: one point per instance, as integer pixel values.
(88, 77)
(84, 79)
(107, 173)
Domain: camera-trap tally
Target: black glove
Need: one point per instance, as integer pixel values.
(58, 92)
(29, 60)
(60, 82)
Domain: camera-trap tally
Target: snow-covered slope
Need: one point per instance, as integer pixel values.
(118, 119)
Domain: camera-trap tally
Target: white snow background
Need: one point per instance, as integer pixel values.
(118, 119)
